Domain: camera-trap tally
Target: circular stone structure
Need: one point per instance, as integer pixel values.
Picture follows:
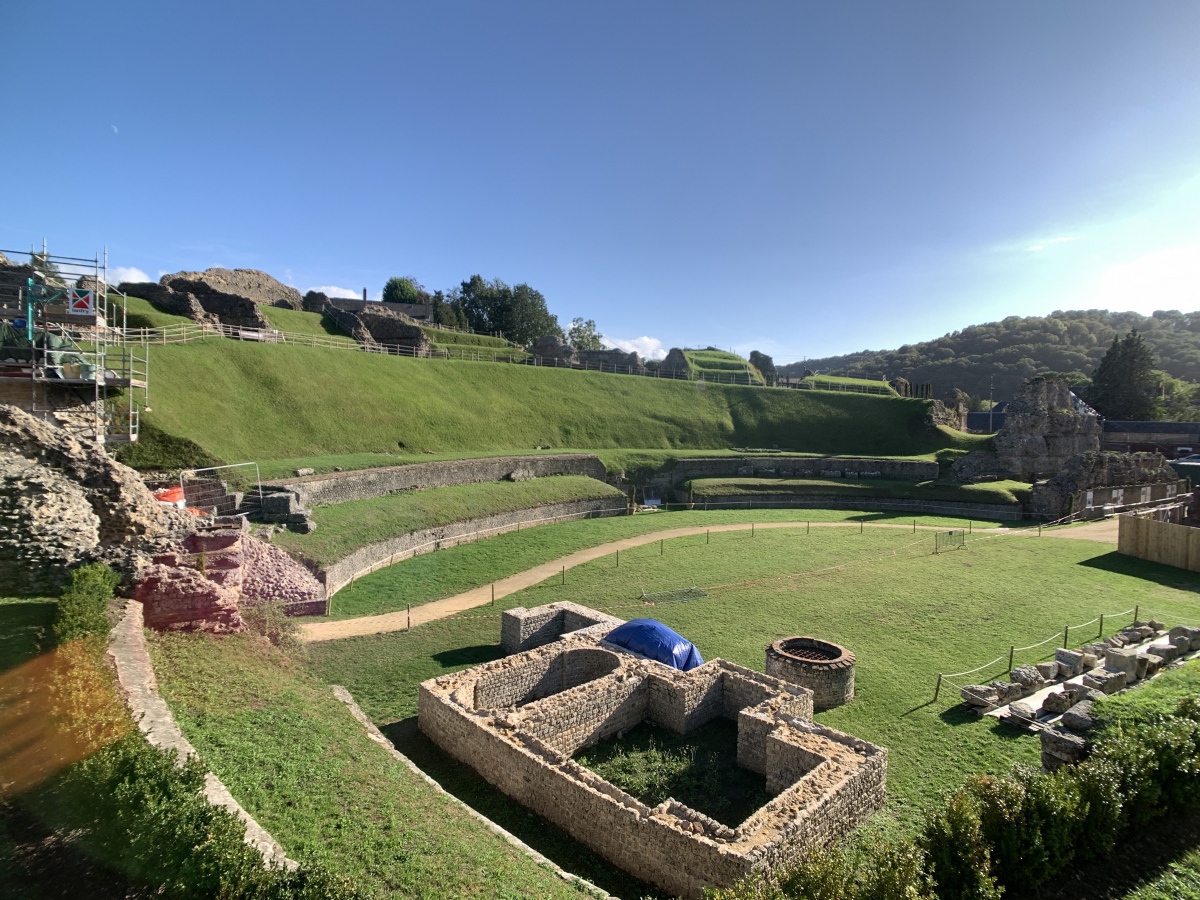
(824, 668)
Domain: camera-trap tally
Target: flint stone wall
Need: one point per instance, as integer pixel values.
(377, 556)
(825, 782)
(1010, 512)
(802, 467)
(342, 487)
(253, 285)
(1104, 473)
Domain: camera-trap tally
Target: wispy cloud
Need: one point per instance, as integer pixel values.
(645, 347)
(1163, 279)
(1042, 245)
(127, 273)
(332, 290)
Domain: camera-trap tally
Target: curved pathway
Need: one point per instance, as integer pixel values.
(1105, 532)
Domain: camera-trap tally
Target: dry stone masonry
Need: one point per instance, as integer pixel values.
(825, 669)
(519, 720)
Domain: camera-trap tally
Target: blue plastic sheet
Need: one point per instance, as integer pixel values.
(658, 642)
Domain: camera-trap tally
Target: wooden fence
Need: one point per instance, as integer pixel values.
(1160, 542)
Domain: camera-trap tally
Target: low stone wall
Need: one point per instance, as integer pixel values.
(135, 675)
(524, 629)
(825, 782)
(825, 669)
(367, 559)
(802, 467)
(823, 501)
(342, 487)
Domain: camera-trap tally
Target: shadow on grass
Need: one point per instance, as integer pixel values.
(1137, 861)
(24, 631)
(464, 657)
(1167, 576)
(461, 781)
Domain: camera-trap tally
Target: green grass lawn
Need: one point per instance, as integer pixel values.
(720, 365)
(296, 760)
(1002, 492)
(906, 614)
(295, 321)
(344, 527)
(837, 382)
(443, 337)
(144, 314)
(445, 573)
(286, 402)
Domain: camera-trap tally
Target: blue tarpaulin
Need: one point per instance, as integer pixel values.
(658, 642)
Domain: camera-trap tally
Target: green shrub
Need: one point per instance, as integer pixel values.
(82, 608)
(959, 858)
(272, 622)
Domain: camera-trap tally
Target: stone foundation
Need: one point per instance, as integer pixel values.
(802, 467)
(517, 721)
(824, 668)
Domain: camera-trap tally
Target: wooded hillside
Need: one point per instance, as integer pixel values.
(1018, 348)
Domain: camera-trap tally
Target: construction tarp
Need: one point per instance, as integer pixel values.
(656, 641)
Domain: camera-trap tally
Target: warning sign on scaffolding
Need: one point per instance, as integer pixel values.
(81, 303)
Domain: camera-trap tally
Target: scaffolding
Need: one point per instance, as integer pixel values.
(63, 353)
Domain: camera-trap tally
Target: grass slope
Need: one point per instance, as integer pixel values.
(905, 613)
(296, 760)
(719, 365)
(144, 314)
(295, 321)
(448, 572)
(345, 527)
(243, 401)
(1002, 492)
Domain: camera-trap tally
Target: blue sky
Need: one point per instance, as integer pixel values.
(800, 178)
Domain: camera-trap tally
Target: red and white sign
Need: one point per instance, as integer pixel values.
(81, 303)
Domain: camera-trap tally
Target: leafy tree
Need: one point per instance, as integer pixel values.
(403, 290)
(764, 364)
(584, 336)
(1124, 385)
(519, 313)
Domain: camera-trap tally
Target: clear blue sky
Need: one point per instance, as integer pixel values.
(803, 178)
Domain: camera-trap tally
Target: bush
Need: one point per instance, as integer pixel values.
(271, 621)
(959, 858)
(83, 607)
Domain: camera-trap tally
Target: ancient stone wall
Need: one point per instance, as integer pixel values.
(199, 302)
(253, 285)
(524, 629)
(1006, 512)
(552, 347)
(376, 556)
(825, 782)
(802, 467)
(342, 487)
(824, 668)
(1115, 479)
(675, 363)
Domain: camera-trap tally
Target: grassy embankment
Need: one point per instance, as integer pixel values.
(1007, 493)
(344, 527)
(434, 576)
(285, 402)
(722, 367)
(841, 383)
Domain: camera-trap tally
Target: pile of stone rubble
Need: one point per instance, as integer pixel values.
(1056, 696)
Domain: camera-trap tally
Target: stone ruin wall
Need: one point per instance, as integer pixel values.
(1104, 474)
(802, 467)
(343, 487)
(380, 555)
(831, 681)
(572, 693)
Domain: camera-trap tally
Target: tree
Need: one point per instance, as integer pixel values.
(403, 290)
(448, 313)
(519, 312)
(584, 336)
(766, 365)
(1124, 385)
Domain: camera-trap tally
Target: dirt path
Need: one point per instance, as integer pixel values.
(1105, 532)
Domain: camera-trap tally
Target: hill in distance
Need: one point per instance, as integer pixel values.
(999, 356)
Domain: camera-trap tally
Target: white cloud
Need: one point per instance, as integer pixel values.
(1164, 279)
(1042, 245)
(330, 290)
(645, 347)
(127, 273)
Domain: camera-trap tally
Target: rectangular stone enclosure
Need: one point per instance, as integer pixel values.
(517, 721)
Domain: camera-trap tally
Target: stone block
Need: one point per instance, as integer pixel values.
(1105, 680)
(1008, 691)
(1070, 662)
(1153, 663)
(980, 695)
(1079, 717)
(1024, 711)
(1122, 660)
(1029, 678)
(1057, 702)
(300, 473)
(1062, 747)
(1143, 666)
(1156, 625)
(1089, 661)
(1048, 670)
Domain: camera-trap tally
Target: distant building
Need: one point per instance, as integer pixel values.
(1171, 439)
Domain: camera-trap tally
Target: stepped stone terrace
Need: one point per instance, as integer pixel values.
(518, 721)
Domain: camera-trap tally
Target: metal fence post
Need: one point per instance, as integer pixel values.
(937, 688)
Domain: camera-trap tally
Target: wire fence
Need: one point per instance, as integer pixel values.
(1063, 636)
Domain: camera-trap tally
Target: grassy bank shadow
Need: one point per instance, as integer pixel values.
(541, 835)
